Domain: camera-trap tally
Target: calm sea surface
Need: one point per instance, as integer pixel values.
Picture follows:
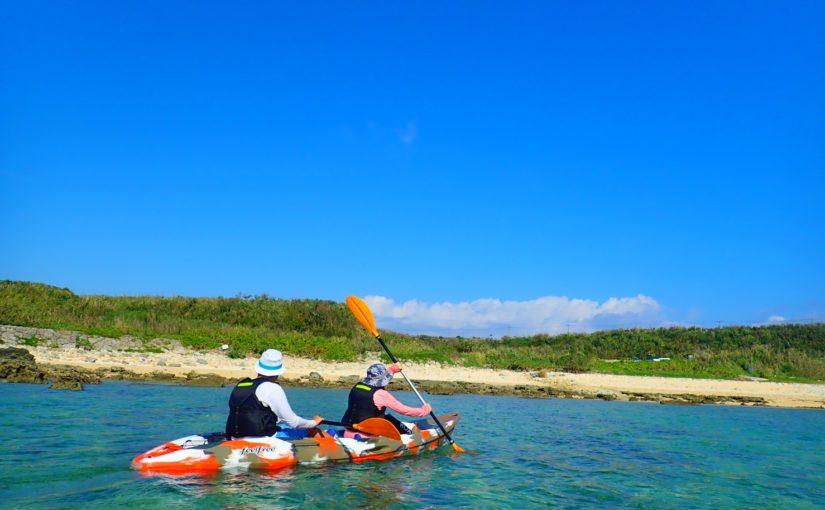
(63, 449)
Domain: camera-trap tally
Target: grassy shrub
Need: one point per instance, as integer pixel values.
(32, 341)
(326, 330)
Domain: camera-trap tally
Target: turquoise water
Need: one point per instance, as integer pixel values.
(66, 449)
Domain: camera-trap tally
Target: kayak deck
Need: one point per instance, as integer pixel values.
(212, 452)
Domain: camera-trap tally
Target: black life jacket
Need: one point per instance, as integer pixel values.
(247, 416)
(361, 405)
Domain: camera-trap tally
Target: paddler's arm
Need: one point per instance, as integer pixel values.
(383, 398)
(273, 396)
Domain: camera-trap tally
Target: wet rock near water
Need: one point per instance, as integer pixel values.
(67, 374)
(66, 385)
(448, 388)
(113, 373)
(212, 380)
(313, 380)
(690, 399)
(453, 387)
(347, 381)
(18, 365)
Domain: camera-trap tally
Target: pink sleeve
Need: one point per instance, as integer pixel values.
(382, 398)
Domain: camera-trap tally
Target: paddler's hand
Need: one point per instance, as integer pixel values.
(427, 408)
(318, 420)
(394, 368)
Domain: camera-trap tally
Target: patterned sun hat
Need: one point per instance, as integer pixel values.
(377, 376)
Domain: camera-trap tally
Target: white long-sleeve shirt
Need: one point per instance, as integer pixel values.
(271, 395)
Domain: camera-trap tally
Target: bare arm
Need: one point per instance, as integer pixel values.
(384, 398)
(273, 396)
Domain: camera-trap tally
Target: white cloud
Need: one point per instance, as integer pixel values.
(776, 318)
(483, 317)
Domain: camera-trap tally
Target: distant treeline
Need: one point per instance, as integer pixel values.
(326, 330)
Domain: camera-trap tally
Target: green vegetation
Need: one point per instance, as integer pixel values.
(32, 341)
(153, 350)
(326, 330)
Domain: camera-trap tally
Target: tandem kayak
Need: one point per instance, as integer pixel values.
(213, 452)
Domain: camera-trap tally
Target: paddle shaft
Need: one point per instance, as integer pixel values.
(362, 312)
(432, 414)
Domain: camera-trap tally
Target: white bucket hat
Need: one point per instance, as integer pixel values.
(271, 363)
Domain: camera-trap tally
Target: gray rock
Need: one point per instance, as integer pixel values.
(205, 380)
(348, 380)
(17, 365)
(66, 384)
(106, 344)
(175, 346)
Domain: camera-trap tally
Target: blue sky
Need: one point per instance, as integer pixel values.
(473, 167)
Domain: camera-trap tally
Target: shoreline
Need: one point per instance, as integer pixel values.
(109, 359)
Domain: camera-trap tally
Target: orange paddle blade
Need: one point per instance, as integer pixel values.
(378, 427)
(362, 312)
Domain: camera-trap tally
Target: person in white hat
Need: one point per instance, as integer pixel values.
(259, 407)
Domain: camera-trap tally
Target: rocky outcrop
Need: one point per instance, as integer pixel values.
(70, 377)
(17, 365)
(682, 398)
(195, 379)
(66, 385)
(19, 335)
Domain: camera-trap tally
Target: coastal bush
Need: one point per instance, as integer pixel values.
(575, 362)
(236, 353)
(677, 367)
(326, 330)
(32, 341)
(474, 360)
(152, 350)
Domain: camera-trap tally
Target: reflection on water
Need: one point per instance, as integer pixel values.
(240, 486)
(368, 485)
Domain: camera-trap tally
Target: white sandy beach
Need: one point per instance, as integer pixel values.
(184, 362)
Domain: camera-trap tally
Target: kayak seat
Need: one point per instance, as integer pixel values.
(292, 434)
